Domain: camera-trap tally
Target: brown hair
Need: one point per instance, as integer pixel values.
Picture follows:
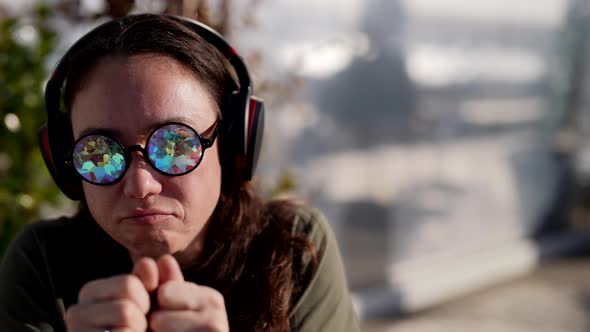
(252, 255)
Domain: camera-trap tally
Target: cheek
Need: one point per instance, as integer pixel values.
(201, 188)
(99, 202)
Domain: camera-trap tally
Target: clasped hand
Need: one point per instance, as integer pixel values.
(122, 303)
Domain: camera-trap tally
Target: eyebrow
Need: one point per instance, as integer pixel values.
(180, 118)
(188, 121)
(117, 133)
(107, 131)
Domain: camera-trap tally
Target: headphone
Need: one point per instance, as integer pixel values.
(244, 118)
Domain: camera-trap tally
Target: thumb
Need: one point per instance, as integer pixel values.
(169, 269)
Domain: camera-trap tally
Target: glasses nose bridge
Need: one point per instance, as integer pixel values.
(137, 147)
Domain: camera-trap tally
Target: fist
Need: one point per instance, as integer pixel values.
(122, 303)
(185, 306)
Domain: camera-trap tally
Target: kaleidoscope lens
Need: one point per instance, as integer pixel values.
(174, 149)
(99, 159)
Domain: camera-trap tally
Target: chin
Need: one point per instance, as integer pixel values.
(149, 248)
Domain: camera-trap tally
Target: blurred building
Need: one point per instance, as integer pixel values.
(426, 131)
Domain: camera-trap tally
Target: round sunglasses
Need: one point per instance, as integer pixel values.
(172, 149)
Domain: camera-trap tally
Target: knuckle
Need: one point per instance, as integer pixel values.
(158, 323)
(128, 283)
(219, 326)
(216, 300)
(165, 288)
(123, 310)
(86, 290)
(216, 327)
(71, 315)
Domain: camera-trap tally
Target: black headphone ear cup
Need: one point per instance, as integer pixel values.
(245, 132)
(254, 134)
(43, 136)
(55, 139)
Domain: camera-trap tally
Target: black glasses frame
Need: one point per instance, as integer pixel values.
(205, 143)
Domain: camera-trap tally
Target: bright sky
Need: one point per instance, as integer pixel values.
(320, 38)
(534, 12)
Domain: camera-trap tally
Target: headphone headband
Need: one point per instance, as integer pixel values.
(55, 83)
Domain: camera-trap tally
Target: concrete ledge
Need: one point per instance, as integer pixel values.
(413, 286)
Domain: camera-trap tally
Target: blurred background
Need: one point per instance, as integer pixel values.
(445, 140)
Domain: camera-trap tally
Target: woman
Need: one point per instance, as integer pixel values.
(169, 236)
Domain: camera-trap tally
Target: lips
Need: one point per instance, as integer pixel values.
(147, 216)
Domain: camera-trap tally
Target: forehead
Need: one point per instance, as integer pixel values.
(134, 94)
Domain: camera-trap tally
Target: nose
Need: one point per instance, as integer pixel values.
(140, 180)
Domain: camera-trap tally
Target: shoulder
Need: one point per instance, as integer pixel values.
(59, 234)
(79, 231)
(295, 220)
(26, 281)
(311, 223)
(311, 226)
(39, 234)
(54, 244)
(34, 245)
(307, 229)
(299, 217)
(324, 299)
(65, 240)
(59, 256)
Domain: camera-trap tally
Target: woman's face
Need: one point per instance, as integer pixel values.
(147, 212)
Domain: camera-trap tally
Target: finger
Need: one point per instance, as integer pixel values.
(102, 329)
(118, 287)
(146, 270)
(120, 314)
(186, 320)
(176, 295)
(168, 269)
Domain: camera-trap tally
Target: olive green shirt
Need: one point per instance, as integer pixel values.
(47, 264)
